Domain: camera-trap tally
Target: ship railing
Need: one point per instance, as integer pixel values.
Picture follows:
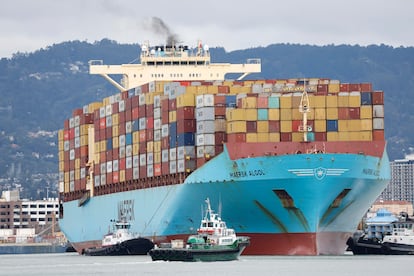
(95, 62)
(254, 61)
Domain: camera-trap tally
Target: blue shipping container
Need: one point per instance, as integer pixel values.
(128, 139)
(366, 98)
(185, 139)
(273, 102)
(109, 144)
(262, 114)
(331, 125)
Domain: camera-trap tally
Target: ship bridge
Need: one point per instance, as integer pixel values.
(171, 63)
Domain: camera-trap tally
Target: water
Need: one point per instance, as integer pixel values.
(74, 264)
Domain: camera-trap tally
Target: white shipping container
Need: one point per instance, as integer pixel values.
(102, 113)
(206, 126)
(157, 123)
(157, 101)
(150, 158)
(205, 139)
(71, 175)
(173, 154)
(103, 179)
(157, 113)
(108, 166)
(72, 154)
(185, 151)
(142, 159)
(200, 151)
(210, 150)
(173, 166)
(128, 127)
(135, 161)
(122, 151)
(128, 162)
(142, 123)
(208, 100)
(378, 111)
(257, 88)
(199, 101)
(77, 142)
(205, 113)
(378, 123)
(108, 110)
(128, 150)
(121, 105)
(97, 180)
(135, 173)
(141, 99)
(165, 155)
(115, 165)
(164, 130)
(108, 121)
(61, 189)
(157, 135)
(66, 145)
(150, 171)
(103, 167)
(71, 186)
(122, 140)
(77, 120)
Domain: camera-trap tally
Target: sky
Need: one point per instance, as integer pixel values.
(28, 25)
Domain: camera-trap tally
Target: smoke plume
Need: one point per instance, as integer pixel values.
(159, 27)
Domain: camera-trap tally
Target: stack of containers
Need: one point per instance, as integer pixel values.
(165, 128)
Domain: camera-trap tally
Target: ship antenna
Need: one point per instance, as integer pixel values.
(304, 109)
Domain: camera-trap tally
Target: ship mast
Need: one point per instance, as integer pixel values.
(171, 63)
(304, 109)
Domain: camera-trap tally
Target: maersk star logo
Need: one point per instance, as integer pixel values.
(319, 173)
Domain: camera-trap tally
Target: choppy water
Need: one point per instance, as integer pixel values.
(74, 264)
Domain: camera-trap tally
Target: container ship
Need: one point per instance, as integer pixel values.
(292, 163)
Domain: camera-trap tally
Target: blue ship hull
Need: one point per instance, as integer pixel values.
(303, 204)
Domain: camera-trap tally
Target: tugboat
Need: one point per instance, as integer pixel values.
(213, 242)
(401, 241)
(121, 242)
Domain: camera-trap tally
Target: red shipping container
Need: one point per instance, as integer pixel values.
(128, 115)
(286, 137)
(157, 169)
(378, 135)
(96, 169)
(366, 87)
(121, 118)
(220, 111)
(77, 185)
(219, 100)
(142, 171)
(150, 109)
(134, 101)
(150, 135)
(322, 88)
(200, 162)
(122, 128)
(115, 108)
(343, 113)
(344, 87)
(109, 155)
(223, 89)
(320, 136)
(262, 102)
(236, 137)
(150, 122)
(115, 177)
(102, 134)
(145, 88)
(128, 174)
(102, 123)
(121, 164)
(96, 114)
(142, 147)
(115, 154)
(165, 168)
(109, 178)
(128, 104)
(185, 83)
(354, 87)
(83, 184)
(251, 126)
(172, 105)
(135, 113)
(84, 151)
(165, 142)
(77, 112)
(378, 97)
(186, 126)
(165, 117)
(108, 132)
(220, 138)
(142, 111)
(354, 113)
(102, 156)
(66, 135)
(142, 135)
(274, 126)
(86, 119)
(124, 95)
(186, 112)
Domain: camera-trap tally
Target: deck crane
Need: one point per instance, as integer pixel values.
(304, 108)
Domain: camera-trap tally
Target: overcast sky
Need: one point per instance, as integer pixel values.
(29, 25)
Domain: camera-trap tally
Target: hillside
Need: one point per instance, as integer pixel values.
(40, 90)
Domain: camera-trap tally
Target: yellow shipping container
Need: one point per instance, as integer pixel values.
(251, 114)
(263, 137)
(238, 114)
(297, 136)
(157, 157)
(235, 89)
(191, 89)
(135, 137)
(296, 115)
(121, 176)
(201, 89)
(94, 106)
(349, 125)
(115, 119)
(251, 137)
(332, 113)
(319, 126)
(61, 145)
(366, 124)
(365, 112)
(366, 135)
(320, 113)
(83, 129)
(333, 87)
(249, 102)
(150, 146)
(102, 145)
(274, 137)
(296, 101)
(286, 114)
(61, 166)
(84, 140)
(262, 127)
(331, 101)
(332, 136)
(66, 188)
(77, 174)
(66, 177)
(106, 101)
(61, 135)
(97, 146)
(285, 101)
(115, 142)
(135, 149)
(343, 100)
(157, 146)
(274, 114)
(344, 136)
(172, 116)
(236, 127)
(212, 89)
(187, 99)
(77, 163)
(317, 101)
(61, 155)
(355, 99)
(285, 126)
(115, 131)
(96, 158)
